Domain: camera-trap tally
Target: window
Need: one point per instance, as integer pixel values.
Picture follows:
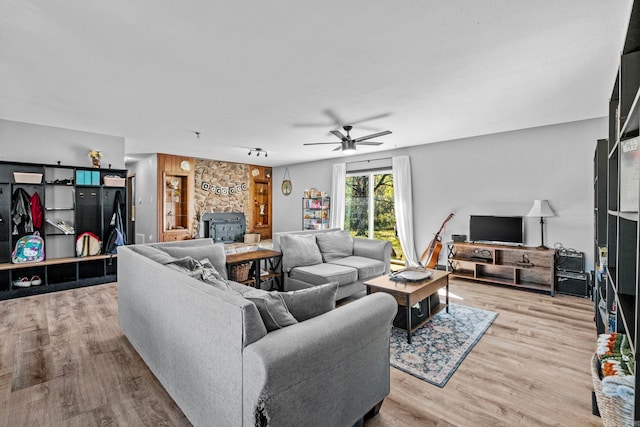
(369, 208)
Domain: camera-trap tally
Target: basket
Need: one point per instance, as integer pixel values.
(240, 272)
(113, 181)
(27, 178)
(614, 411)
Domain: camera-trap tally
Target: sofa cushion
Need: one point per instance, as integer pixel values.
(272, 309)
(214, 253)
(153, 253)
(324, 273)
(298, 251)
(335, 244)
(366, 267)
(308, 303)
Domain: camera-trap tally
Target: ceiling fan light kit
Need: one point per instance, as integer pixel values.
(348, 144)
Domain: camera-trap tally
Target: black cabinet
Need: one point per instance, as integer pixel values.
(69, 208)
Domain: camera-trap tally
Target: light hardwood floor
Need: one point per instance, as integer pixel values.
(65, 362)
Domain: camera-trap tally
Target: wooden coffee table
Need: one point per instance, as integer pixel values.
(408, 294)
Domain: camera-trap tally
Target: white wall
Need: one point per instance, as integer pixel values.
(146, 172)
(498, 174)
(27, 142)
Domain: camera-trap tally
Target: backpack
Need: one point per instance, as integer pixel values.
(87, 244)
(28, 248)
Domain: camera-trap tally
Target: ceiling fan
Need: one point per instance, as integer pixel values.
(349, 144)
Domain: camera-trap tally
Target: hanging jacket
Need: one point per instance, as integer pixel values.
(21, 212)
(36, 210)
(116, 233)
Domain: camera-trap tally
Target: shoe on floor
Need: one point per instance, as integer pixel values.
(36, 280)
(22, 282)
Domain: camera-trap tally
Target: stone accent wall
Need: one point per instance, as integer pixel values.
(220, 187)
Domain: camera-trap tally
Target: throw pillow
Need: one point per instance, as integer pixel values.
(335, 244)
(308, 303)
(214, 253)
(272, 309)
(200, 270)
(298, 251)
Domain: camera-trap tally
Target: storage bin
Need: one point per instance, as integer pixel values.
(80, 177)
(614, 411)
(240, 272)
(114, 181)
(27, 178)
(252, 237)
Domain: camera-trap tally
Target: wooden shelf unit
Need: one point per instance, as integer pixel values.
(175, 197)
(259, 215)
(518, 266)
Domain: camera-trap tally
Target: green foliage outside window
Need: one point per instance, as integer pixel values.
(357, 209)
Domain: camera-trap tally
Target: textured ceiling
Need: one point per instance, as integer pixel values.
(277, 74)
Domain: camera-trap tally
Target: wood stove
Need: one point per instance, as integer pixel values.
(224, 227)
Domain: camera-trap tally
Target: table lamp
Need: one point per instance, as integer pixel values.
(542, 209)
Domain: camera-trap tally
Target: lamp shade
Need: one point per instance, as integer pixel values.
(541, 209)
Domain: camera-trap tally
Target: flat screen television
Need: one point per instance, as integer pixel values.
(500, 229)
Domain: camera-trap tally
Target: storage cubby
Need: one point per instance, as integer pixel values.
(69, 207)
(63, 273)
(517, 266)
(616, 234)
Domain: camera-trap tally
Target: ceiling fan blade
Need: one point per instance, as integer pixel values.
(333, 116)
(370, 143)
(337, 149)
(366, 119)
(373, 135)
(320, 143)
(311, 125)
(339, 135)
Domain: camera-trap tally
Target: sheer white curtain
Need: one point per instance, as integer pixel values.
(336, 216)
(403, 200)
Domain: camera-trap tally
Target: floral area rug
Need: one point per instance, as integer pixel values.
(441, 344)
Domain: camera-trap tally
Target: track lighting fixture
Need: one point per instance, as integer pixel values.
(257, 151)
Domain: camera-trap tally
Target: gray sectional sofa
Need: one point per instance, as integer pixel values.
(314, 257)
(206, 339)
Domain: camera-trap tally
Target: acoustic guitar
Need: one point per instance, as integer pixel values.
(429, 257)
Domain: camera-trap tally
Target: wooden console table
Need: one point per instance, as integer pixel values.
(271, 258)
(518, 266)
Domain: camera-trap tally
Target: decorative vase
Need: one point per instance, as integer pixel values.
(96, 162)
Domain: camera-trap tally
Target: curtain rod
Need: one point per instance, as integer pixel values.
(370, 160)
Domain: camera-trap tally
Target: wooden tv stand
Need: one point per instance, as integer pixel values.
(519, 266)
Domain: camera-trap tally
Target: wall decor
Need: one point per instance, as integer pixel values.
(95, 156)
(232, 189)
(286, 185)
